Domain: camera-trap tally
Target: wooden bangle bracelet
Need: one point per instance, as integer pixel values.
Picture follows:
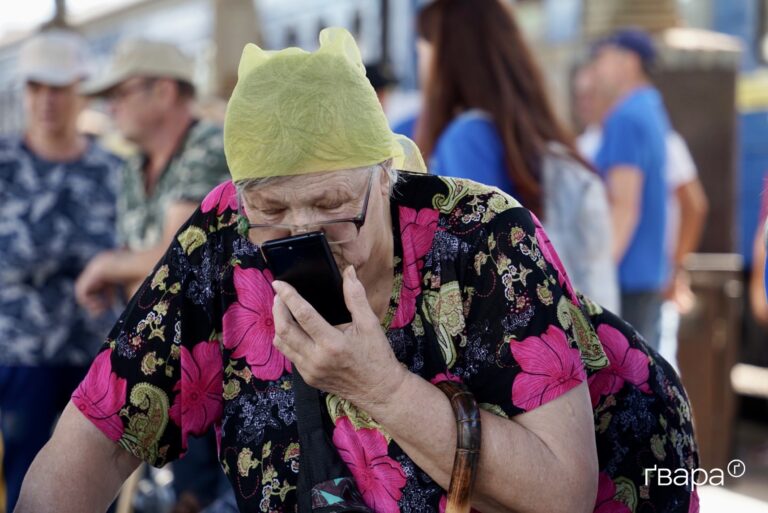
(467, 446)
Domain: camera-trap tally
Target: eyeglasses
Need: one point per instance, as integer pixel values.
(337, 231)
(120, 93)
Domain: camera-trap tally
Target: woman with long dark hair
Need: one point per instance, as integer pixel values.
(487, 117)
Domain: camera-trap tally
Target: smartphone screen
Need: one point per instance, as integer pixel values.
(306, 263)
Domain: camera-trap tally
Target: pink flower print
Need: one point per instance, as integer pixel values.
(222, 197)
(551, 256)
(626, 364)
(101, 395)
(550, 368)
(199, 401)
(249, 329)
(693, 503)
(445, 376)
(417, 230)
(379, 478)
(606, 491)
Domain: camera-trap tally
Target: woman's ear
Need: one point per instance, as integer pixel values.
(385, 180)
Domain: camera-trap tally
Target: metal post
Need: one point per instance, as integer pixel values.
(60, 9)
(59, 15)
(384, 13)
(235, 24)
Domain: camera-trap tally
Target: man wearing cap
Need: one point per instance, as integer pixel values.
(632, 160)
(149, 88)
(150, 94)
(57, 210)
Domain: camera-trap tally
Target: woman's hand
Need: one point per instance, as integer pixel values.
(353, 361)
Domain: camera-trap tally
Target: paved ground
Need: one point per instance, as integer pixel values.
(748, 494)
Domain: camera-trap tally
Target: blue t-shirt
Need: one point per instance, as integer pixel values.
(471, 147)
(634, 135)
(407, 126)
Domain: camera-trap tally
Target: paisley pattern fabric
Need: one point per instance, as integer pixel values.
(479, 296)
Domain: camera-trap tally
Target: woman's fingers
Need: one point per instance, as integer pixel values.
(306, 316)
(290, 339)
(356, 299)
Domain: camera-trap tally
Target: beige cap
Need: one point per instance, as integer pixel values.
(55, 57)
(143, 58)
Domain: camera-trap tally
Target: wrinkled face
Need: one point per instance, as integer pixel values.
(136, 105)
(306, 200)
(51, 109)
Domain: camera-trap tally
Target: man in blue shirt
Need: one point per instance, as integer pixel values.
(632, 160)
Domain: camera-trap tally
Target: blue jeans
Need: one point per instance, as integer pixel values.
(31, 399)
(643, 311)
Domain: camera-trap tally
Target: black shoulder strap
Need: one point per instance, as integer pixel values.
(322, 473)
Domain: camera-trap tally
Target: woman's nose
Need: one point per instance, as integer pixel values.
(302, 220)
(297, 230)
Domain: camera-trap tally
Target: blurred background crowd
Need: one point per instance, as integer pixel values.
(636, 130)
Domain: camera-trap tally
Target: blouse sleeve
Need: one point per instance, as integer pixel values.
(158, 377)
(528, 341)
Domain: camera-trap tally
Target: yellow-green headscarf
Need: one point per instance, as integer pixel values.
(294, 112)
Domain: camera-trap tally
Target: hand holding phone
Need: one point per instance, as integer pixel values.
(305, 262)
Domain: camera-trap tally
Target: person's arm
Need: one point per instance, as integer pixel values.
(79, 470)
(757, 297)
(127, 268)
(684, 182)
(625, 190)
(693, 212)
(128, 385)
(558, 437)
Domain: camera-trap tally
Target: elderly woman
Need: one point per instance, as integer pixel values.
(446, 279)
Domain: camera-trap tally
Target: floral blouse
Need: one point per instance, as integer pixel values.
(480, 296)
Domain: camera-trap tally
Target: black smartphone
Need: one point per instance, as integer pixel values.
(305, 262)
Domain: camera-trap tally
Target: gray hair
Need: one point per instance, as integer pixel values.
(251, 183)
